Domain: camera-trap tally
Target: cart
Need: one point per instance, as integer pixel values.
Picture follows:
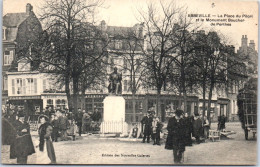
(247, 107)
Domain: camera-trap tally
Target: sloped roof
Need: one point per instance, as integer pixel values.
(14, 19)
(115, 30)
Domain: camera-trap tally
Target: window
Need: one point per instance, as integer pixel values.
(48, 84)
(19, 86)
(61, 103)
(8, 57)
(5, 84)
(30, 86)
(4, 33)
(118, 45)
(49, 103)
(13, 86)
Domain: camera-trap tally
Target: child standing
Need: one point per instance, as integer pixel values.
(156, 129)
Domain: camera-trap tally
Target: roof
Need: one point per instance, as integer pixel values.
(14, 19)
(115, 30)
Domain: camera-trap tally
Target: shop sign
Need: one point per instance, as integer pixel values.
(223, 101)
(54, 97)
(94, 96)
(23, 97)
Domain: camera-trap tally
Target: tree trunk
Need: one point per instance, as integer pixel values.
(209, 101)
(75, 93)
(134, 109)
(67, 90)
(204, 99)
(158, 104)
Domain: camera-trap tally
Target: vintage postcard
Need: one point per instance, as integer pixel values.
(133, 82)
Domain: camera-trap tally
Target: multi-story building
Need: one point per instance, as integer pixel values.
(18, 30)
(34, 91)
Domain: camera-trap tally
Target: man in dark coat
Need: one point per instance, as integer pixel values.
(79, 120)
(188, 129)
(147, 124)
(63, 123)
(8, 132)
(55, 131)
(221, 122)
(197, 128)
(22, 146)
(96, 115)
(176, 128)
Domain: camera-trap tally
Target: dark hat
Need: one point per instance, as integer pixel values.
(196, 114)
(45, 116)
(178, 112)
(20, 114)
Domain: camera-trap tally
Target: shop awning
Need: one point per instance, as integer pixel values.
(23, 97)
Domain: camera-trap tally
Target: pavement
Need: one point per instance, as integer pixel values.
(93, 149)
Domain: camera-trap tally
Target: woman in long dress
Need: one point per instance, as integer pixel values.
(46, 152)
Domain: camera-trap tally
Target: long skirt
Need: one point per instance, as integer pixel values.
(47, 156)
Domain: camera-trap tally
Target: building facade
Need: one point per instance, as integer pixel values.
(17, 32)
(35, 91)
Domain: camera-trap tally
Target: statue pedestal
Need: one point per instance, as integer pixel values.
(114, 115)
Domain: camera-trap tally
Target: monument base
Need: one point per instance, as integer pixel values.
(114, 116)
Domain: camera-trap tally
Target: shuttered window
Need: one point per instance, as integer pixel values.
(35, 85)
(13, 87)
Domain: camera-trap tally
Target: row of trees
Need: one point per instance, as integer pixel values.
(170, 52)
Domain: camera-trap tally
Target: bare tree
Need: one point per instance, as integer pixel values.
(73, 42)
(169, 45)
(215, 62)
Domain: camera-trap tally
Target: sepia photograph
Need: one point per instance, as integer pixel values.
(129, 82)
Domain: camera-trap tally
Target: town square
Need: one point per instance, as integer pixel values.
(146, 82)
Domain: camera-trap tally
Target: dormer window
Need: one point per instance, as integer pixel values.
(8, 57)
(4, 32)
(118, 44)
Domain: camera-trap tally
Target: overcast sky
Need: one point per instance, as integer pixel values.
(123, 13)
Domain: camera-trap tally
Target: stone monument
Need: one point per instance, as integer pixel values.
(114, 107)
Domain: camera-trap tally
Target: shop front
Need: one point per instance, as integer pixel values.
(54, 100)
(168, 104)
(31, 105)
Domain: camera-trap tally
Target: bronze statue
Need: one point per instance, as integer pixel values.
(115, 86)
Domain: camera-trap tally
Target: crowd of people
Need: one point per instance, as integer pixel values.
(181, 128)
(52, 124)
(67, 123)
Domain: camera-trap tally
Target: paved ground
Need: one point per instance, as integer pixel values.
(94, 150)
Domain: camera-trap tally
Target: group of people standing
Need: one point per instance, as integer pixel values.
(181, 128)
(151, 127)
(51, 125)
(16, 133)
(66, 123)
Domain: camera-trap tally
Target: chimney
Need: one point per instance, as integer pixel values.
(244, 41)
(103, 25)
(252, 44)
(28, 8)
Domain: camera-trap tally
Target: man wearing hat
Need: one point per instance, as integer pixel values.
(22, 146)
(176, 128)
(197, 128)
(147, 126)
